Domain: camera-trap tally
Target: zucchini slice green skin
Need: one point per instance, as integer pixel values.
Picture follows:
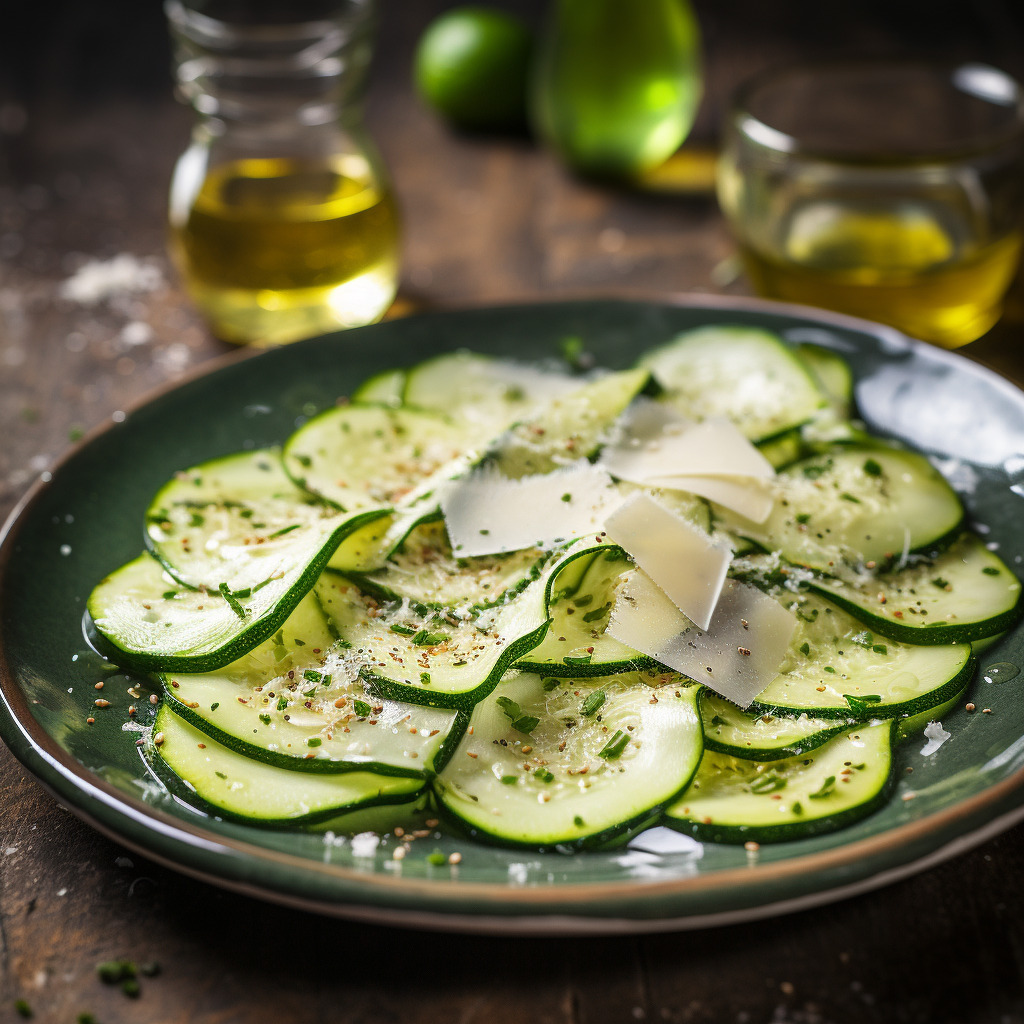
(425, 572)
(734, 800)
(834, 668)
(964, 593)
(237, 521)
(437, 660)
(748, 375)
(635, 744)
(241, 788)
(578, 602)
(297, 702)
(155, 624)
(484, 393)
(856, 506)
(761, 737)
(360, 456)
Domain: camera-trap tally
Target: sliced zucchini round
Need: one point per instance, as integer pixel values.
(239, 521)
(962, 594)
(550, 762)
(425, 572)
(239, 787)
(298, 701)
(736, 800)
(485, 393)
(746, 374)
(761, 736)
(856, 506)
(835, 668)
(370, 456)
(439, 658)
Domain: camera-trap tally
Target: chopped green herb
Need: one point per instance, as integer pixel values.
(861, 705)
(313, 741)
(425, 678)
(803, 517)
(880, 648)
(872, 468)
(265, 718)
(940, 583)
(111, 972)
(827, 788)
(170, 595)
(509, 780)
(615, 746)
(805, 648)
(283, 531)
(847, 496)
(22, 1008)
(718, 720)
(401, 630)
(426, 638)
(567, 497)
(593, 702)
(437, 859)
(577, 659)
(514, 713)
(215, 705)
(767, 784)
(231, 600)
(282, 703)
(361, 708)
(544, 775)
(990, 570)
(311, 676)
(578, 821)
(597, 613)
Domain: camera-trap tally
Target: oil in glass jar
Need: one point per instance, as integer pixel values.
(282, 221)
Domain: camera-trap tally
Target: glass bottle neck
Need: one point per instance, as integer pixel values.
(271, 76)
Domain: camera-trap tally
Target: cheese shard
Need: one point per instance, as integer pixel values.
(487, 513)
(752, 499)
(653, 441)
(737, 656)
(688, 566)
(656, 447)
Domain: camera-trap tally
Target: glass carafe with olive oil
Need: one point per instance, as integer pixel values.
(282, 222)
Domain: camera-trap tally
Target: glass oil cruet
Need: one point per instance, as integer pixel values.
(282, 222)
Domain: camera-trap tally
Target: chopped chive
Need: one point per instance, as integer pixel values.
(872, 468)
(437, 859)
(401, 630)
(544, 775)
(615, 746)
(593, 702)
(215, 705)
(990, 570)
(283, 531)
(231, 600)
(265, 718)
(767, 784)
(282, 703)
(597, 613)
(361, 708)
(509, 780)
(313, 741)
(827, 788)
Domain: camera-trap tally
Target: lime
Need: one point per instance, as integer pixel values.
(471, 67)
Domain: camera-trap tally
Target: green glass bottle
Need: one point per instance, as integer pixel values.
(617, 84)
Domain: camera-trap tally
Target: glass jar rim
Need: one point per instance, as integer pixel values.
(203, 27)
(973, 80)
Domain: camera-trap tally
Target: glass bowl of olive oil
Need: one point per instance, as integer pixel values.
(892, 191)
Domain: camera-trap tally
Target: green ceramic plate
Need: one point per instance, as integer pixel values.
(86, 519)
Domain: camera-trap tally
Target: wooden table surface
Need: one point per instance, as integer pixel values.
(88, 135)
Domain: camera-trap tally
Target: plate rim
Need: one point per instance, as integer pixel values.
(129, 820)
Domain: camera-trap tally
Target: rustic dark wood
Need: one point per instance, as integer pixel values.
(88, 135)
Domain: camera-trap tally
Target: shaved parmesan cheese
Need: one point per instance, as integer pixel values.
(656, 446)
(688, 566)
(487, 513)
(752, 499)
(737, 656)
